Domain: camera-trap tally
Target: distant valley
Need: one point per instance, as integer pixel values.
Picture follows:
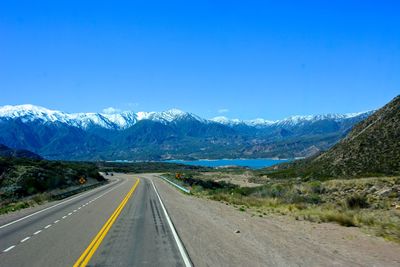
(172, 134)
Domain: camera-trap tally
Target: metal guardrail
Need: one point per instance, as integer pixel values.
(76, 191)
(176, 185)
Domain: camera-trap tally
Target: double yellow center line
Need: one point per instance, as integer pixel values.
(91, 249)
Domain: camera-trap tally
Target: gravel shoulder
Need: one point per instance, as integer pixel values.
(208, 230)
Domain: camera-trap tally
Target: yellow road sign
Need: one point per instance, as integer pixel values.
(82, 180)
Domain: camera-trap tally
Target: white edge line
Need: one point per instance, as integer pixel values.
(176, 185)
(181, 248)
(8, 249)
(40, 211)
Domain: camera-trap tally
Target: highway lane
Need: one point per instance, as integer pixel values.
(19, 219)
(142, 236)
(138, 235)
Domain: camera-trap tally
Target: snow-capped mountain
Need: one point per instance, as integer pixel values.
(168, 116)
(120, 120)
(164, 135)
(234, 122)
(127, 119)
(290, 121)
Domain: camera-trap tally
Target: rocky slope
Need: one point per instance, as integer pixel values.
(371, 148)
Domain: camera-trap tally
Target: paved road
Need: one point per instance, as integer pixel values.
(120, 224)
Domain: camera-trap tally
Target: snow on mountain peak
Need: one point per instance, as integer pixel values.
(168, 116)
(175, 112)
(298, 119)
(29, 112)
(19, 110)
(115, 119)
(110, 118)
(226, 121)
(292, 120)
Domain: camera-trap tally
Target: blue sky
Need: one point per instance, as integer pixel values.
(241, 59)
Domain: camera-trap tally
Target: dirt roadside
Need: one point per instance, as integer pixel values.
(237, 179)
(207, 228)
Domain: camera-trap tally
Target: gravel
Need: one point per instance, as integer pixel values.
(208, 230)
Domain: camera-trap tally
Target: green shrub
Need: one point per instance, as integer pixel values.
(357, 202)
(341, 218)
(316, 187)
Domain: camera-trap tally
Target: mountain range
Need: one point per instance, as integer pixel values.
(372, 148)
(172, 134)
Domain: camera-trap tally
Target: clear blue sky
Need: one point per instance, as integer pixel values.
(246, 59)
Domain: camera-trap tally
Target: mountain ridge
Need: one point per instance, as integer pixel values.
(8, 152)
(172, 134)
(126, 119)
(371, 148)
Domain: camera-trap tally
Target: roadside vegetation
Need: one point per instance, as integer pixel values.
(27, 182)
(147, 167)
(369, 203)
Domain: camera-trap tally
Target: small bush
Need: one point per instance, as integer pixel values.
(341, 218)
(300, 206)
(40, 198)
(14, 207)
(357, 202)
(316, 187)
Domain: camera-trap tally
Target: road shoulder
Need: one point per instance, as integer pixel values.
(208, 231)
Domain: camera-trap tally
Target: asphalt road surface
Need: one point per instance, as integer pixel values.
(127, 223)
(123, 223)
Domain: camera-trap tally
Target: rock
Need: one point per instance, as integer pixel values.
(372, 189)
(384, 192)
(237, 232)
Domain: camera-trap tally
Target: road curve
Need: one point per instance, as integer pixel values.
(121, 224)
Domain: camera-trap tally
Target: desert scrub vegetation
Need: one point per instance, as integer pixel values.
(369, 203)
(26, 182)
(199, 186)
(149, 167)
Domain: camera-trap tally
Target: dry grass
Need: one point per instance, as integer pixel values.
(350, 203)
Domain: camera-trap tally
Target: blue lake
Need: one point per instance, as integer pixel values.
(251, 163)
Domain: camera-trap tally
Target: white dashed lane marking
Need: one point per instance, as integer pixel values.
(56, 221)
(25, 239)
(8, 249)
(49, 225)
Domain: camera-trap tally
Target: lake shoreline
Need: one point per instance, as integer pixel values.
(257, 163)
